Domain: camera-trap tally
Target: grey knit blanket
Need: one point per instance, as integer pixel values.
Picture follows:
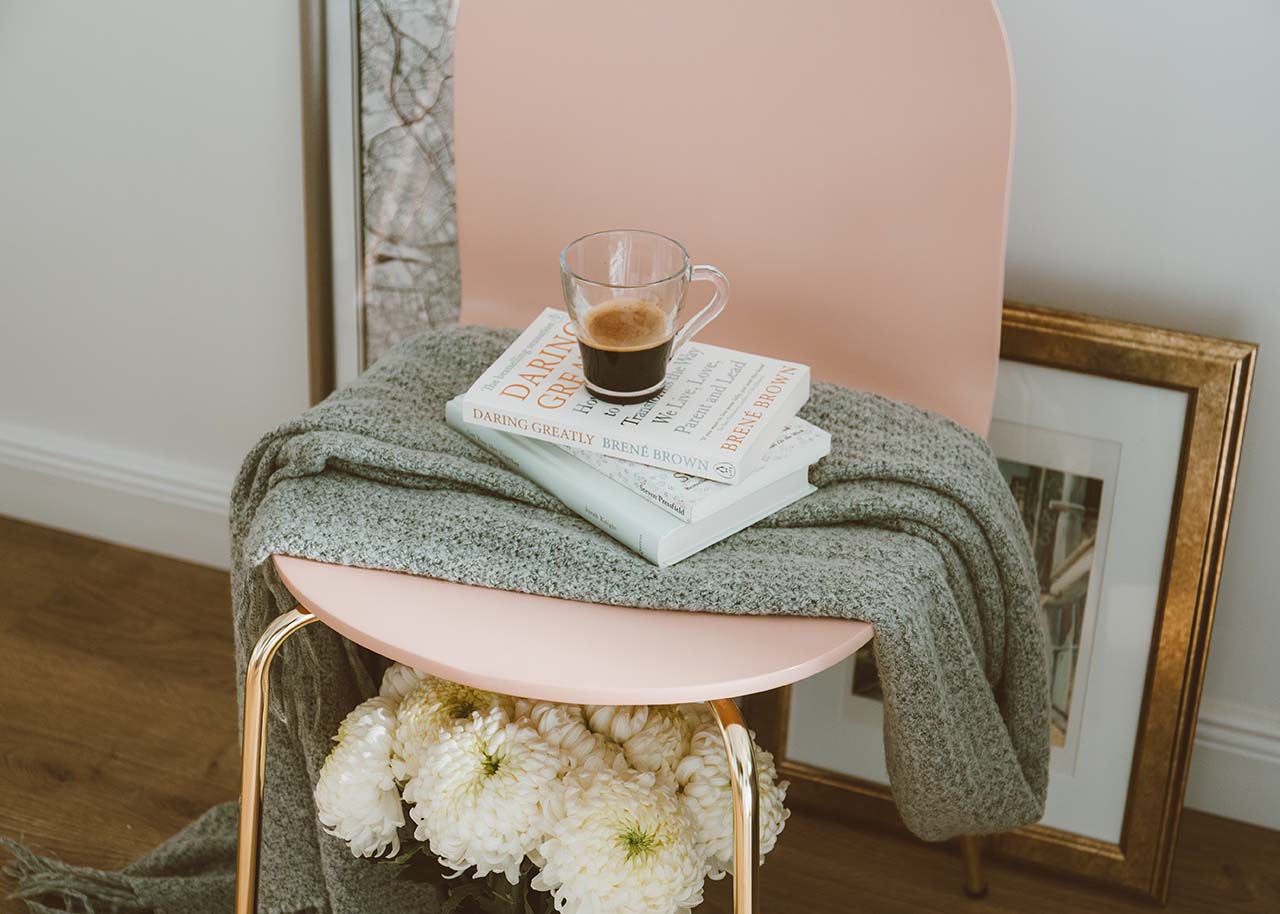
(912, 529)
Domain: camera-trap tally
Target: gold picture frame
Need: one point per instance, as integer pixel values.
(1216, 375)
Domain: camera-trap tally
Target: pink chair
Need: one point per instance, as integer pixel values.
(846, 164)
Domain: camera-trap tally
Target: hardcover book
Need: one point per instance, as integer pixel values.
(628, 517)
(715, 419)
(693, 498)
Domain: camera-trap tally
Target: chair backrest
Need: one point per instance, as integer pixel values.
(845, 162)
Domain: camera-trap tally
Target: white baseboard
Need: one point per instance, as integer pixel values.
(180, 510)
(114, 494)
(1235, 766)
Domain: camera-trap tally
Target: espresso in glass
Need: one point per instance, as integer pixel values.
(625, 292)
(625, 345)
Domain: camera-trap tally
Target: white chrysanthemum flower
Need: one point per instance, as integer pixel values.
(661, 742)
(565, 727)
(399, 680)
(698, 715)
(429, 710)
(621, 846)
(616, 722)
(707, 797)
(477, 796)
(356, 796)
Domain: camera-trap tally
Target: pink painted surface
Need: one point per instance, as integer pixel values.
(563, 650)
(845, 164)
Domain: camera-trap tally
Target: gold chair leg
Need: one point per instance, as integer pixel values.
(253, 757)
(975, 877)
(746, 805)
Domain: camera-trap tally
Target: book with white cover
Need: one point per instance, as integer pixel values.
(716, 417)
(693, 498)
(631, 519)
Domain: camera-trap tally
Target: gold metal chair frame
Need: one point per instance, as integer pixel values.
(737, 743)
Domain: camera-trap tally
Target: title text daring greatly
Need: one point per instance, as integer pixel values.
(549, 360)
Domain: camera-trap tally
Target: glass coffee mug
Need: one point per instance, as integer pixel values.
(625, 290)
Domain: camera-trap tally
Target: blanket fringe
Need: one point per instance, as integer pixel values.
(42, 881)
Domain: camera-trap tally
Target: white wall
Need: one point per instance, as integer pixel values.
(151, 265)
(151, 260)
(1147, 187)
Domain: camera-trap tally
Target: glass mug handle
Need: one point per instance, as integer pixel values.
(711, 311)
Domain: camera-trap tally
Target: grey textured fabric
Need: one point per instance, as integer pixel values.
(912, 528)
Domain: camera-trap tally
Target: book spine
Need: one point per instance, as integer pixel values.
(614, 444)
(586, 492)
(782, 412)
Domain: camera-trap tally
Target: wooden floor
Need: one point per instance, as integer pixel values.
(117, 726)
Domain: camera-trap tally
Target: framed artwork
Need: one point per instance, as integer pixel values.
(385, 126)
(1120, 444)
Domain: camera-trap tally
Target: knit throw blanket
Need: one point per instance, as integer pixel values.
(912, 529)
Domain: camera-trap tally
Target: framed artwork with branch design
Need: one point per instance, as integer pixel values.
(381, 228)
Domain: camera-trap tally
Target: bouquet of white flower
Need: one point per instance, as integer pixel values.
(578, 809)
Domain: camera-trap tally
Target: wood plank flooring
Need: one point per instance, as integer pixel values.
(117, 727)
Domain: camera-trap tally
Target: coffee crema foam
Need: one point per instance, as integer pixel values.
(625, 324)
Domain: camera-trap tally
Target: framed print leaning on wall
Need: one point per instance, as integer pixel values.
(389, 138)
(1120, 444)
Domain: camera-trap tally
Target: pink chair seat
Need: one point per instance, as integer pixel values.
(564, 650)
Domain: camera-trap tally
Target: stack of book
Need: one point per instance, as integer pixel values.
(718, 449)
